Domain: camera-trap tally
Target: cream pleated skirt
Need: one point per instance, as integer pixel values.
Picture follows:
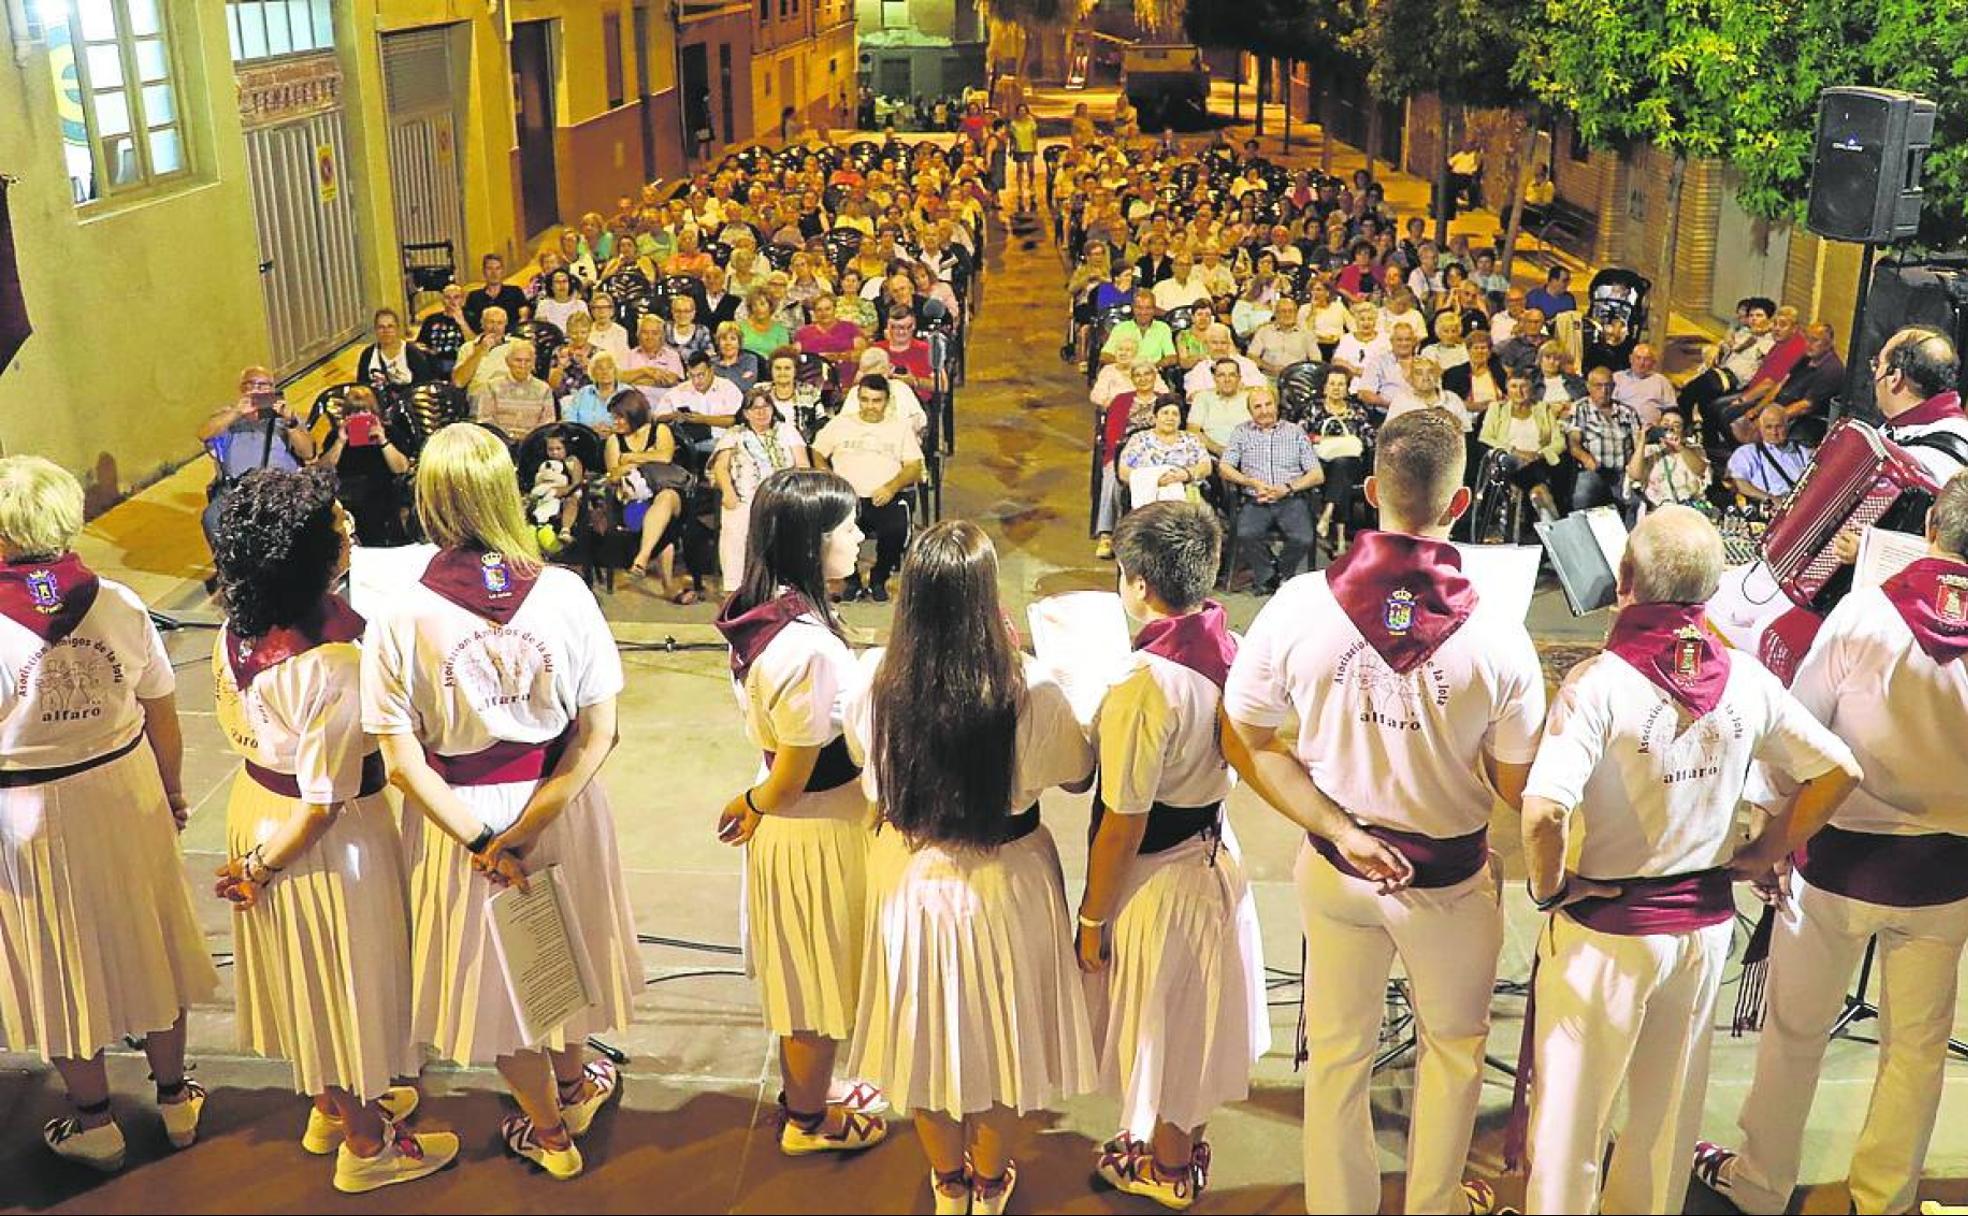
(323, 959)
(970, 993)
(806, 878)
(1179, 1014)
(97, 935)
(461, 1006)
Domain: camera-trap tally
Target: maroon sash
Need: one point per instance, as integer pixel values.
(749, 632)
(49, 599)
(287, 785)
(1405, 594)
(1437, 862)
(1677, 903)
(1892, 871)
(483, 584)
(1931, 596)
(1198, 640)
(1673, 647)
(331, 621)
(504, 763)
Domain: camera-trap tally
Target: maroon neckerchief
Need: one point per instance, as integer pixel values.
(1405, 594)
(1932, 598)
(1938, 408)
(751, 631)
(48, 598)
(332, 620)
(1198, 640)
(484, 584)
(1671, 645)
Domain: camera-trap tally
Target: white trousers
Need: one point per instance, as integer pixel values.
(1448, 941)
(1818, 943)
(1612, 1012)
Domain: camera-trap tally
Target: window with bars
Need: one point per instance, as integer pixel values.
(269, 29)
(117, 86)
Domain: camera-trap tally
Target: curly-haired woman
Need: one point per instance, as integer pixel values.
(315, 864)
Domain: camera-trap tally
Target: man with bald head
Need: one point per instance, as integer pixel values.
(1914, 382)
(1642, 388)
(1645, 755)
(1807, 391)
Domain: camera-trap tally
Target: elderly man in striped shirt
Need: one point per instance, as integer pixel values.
(1270, 465)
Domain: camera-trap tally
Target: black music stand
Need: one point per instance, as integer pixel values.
(1859, 1009)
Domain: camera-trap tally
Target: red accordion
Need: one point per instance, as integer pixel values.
(1858, 479)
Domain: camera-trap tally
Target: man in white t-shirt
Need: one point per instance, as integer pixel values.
(875, 449)
(1418, 705)
(1184, 286)
(1648, 748)
(1219, 343)
(1886, 673)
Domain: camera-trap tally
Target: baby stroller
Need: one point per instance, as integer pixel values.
(1615, 317)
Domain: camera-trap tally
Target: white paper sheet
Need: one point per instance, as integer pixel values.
(547, 972)
(1745, 602)
(1883, 554)
(1610, 531)
(377, 576)
(1082, 637)
(1505, 575)
(1144, 486)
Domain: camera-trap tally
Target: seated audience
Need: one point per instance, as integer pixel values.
(1768, 469)
(517, 401)
(876, 451)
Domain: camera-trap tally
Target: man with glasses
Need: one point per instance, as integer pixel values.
(1600, 440)
(908, 357)
(257, 431)
(1914, 380)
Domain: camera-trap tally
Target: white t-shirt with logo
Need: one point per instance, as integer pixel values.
(77, 699)
(1402, 751)
(1904, 716)
(1655, 793)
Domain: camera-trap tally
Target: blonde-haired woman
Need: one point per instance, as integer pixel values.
(98, 940)
(491, 685)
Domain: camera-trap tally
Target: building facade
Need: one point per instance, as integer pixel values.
(208, 184)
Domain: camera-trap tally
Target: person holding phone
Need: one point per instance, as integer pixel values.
(259, 430)
(367, 463)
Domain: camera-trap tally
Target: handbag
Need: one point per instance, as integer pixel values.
(1337, 442)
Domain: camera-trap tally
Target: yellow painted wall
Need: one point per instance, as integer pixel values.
(143, 311)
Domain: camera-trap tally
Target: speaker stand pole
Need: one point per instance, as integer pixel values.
(1852, 369)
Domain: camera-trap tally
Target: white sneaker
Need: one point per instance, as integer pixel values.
(325, 1131)
(602, 1082)
(993, 1205)
(1130, 1168)
(861, 1097)
(181, 1118)
(405, 1158)
(561, 1163)
(857, 1132)
(99, 1148)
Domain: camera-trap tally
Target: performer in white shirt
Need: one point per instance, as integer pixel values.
(1419, 706)
(491, 685)
(1648, 746)
(1914, 377)
(1886, 673)
(321, 942)
(971, 1006)
(98, 940)
(1168, 928)
(805, 822)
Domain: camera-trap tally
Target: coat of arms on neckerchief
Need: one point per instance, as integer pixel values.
(1951, 599)
(1687, 654)
(44, 591)
(492, 569)
(1400, 612)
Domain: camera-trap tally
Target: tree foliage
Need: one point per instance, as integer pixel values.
(1465, 51)
(1738, 80)
(1319, 32)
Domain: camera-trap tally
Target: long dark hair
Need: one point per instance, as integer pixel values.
(276, 547)
(791, 516)
(947, 695)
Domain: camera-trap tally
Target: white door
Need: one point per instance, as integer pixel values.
(310, 269)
